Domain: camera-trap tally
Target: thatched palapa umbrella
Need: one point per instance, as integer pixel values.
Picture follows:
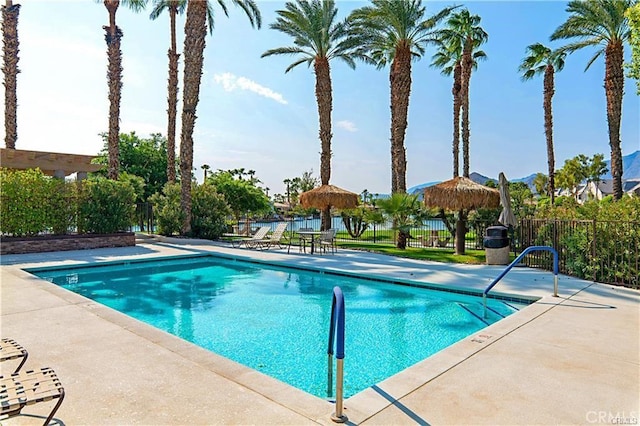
(461, 193)
(327, 196)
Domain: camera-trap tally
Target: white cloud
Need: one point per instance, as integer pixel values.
(347, 125)
(231, 82)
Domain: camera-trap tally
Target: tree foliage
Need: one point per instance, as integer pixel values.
(579, 169)
(209, 212)
(143, 157)
(633, 14)
(242, 195)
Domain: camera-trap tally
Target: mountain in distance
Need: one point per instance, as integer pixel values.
(419, 188)
(630, 168)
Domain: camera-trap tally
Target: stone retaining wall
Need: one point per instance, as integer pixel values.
(11, 245)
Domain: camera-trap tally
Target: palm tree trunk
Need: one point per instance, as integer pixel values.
(614, 89)
(113, 35)
(402, 240)
(325, 101)
(400, 80)
(194, 42)
(173, 97)
(461, 231)
(457, 87)
(467, 63)
(548, 127)
(10, 69)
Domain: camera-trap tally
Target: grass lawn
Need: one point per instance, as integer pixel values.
(420, 253)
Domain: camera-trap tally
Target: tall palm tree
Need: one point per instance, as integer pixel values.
(395, 32)
(10, 69)
(114, 76)
(459, 45)
(603, 24)
(195, 29)
(318, 38)
(449, 59)
(464, 28)
(174, 8)
(542, 60)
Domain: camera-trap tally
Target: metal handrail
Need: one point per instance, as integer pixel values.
(515, 262)
(337, 327)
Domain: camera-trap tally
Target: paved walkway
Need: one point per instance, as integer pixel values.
(574, 359)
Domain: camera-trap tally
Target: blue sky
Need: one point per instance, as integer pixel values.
(253, 115)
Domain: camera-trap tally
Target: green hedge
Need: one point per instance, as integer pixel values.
(34, 204)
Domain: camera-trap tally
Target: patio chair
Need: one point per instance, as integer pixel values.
(443, 242)
(275, 237)
(430, 241)
(10, 349)
(27, 388)
(304, 239)
(254, 241)
(327, 240)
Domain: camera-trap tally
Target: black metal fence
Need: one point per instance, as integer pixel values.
(603, 251)
(433, 232)
(143, 221)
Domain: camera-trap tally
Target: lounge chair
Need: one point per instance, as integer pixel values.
(442, 242)
(10, 349)
(275, 237)
(254, 241)
(27, 388)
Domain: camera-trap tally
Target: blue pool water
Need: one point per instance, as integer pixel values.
(276, 320)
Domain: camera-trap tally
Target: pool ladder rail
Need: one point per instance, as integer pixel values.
(515, 262)
(336, 338)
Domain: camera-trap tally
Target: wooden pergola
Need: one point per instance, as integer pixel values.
(51, 163)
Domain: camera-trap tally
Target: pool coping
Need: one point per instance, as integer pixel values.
(359, 407)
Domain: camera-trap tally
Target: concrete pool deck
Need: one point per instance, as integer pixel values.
(574, 359)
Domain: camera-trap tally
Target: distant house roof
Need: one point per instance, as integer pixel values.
(630, 185)
(606, 186)
(51, 163)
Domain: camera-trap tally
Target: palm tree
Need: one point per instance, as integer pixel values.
(542, 60)
(114, 76)
(463, 29)
(194, 42)
(541, 183)
(395, 32)
(10, 69)
(405, 211)
(318, 38)
(449, 59)
(603, 24)
(206, 168)
(174, 7)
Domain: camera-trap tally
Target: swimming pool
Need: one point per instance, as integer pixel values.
(276, 319)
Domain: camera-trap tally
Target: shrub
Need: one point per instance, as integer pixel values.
(105, 206)
(25, 197)
(208, 212)
(62, 208)
(167, 210)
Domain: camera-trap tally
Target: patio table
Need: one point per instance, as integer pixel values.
(312, 234)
